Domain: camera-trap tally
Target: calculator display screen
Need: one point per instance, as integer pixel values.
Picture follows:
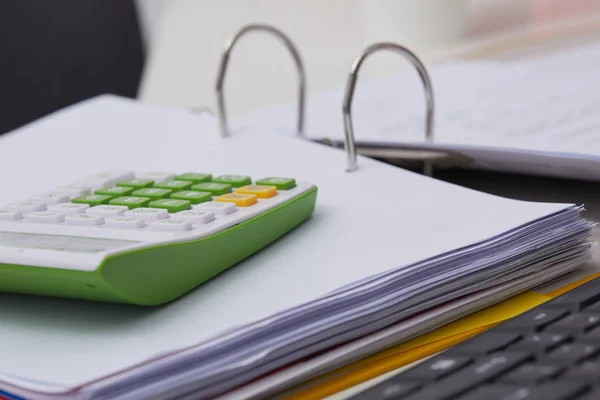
(60, 243)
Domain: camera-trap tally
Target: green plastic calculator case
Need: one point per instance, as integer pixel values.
(144, 238)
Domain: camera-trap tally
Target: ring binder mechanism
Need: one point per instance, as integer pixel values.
(395, 153)
(405, 156)
(225, 61)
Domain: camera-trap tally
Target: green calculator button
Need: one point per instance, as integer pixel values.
(153, 193)
(130, 201)
(193, 196)
(194, 177)
(136, 183)
(216, 189)
(234, 180)
(279, 183)
(171, 205)
(115, 191)
(173, 185)
(92, 199)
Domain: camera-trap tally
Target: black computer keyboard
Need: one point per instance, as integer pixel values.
(551, 352)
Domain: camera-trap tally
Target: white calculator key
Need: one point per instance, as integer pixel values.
(10, 215)
(105, 179)
(84, 220)
(156, 175)
(73, 190)
(107, 211)
(52, 197)
(177, 225)
(125, 222)
(215, 207)
(52, 217)
(195, 216)
(68, 208)
(148, 214)
(28, 205)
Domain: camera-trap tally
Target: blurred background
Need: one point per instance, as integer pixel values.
(58, 52)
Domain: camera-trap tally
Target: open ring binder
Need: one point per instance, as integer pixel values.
(225, 61)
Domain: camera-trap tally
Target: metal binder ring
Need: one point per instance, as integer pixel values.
(225, 61)
(349, 142)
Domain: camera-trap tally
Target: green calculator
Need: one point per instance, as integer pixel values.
(143, 238)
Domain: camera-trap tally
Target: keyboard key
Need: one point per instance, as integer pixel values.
(125, 222)
(234, 180)
(115, 191)
(171, 205)
(69, 208)
(156, 176)
(573, 352)
(174, 225)
(50, 217)
(532, 373)
(107, 211)
(436, 368)
(575, 323)
(84, 220)
(486, 343)
(260, 191)
(593, 335)
(192, 196)
(73, 191)
(194, 216)
(216, 208)
(173, 185)
(279, 183)
(105, 179)
(498, 392)
(593, 308)
(540, 342)
(10, 215)
(130, 202)
(136, 183)
(92, 199)
(588, 371)
(147, 214)
(548, 391)
(387, 390)
(532, 321)
(194, 177)
(27, 206)
(152, 193)
(578, 298)
(216, 189)
(52, 197)
(240, 200)
(475, 374)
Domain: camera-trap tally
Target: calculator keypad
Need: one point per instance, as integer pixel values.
(149, 206)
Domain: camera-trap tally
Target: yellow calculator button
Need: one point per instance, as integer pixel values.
(240, 200)
(261, 191)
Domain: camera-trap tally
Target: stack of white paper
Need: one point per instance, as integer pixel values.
(539, 115)
(388, 255)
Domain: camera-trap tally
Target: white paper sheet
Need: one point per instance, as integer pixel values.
(400, 216)
(540, 115)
